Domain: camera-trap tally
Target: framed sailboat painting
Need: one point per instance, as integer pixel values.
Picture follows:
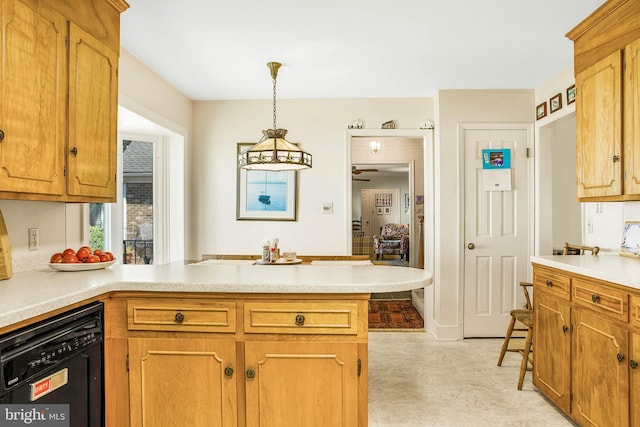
(265, 195)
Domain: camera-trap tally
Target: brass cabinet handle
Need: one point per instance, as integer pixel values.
(549, 283)
(300, 320)
(620, 357)
(565, 328)
(595, 298)
(616, 158)
(228, 371)
(251, 374)
(1, 134)
(74, 151)
(179, 318)
(633, 364)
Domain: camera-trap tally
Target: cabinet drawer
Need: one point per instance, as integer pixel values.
(552, 282)
(334, 318)
(602, 299)
(181, 316)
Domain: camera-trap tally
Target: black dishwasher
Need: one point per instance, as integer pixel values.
(59, 362)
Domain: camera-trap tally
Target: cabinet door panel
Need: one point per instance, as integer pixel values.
(182, 382)
(600, 380)
(552, 355)
(33, 89)
(93, 107)
(632, 119)
(599, 128)
(295, 384)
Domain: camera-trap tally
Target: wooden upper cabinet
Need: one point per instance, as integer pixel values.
(599, 128)
(93, 108)
(632, 118)
(606, 69)
(33, 88)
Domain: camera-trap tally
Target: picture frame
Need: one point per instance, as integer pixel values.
(541, 110)
(387, 210)
(630, 245)
(419, 199)
(571, 94)
(379, 210)
(555, 102)
(407, 201)
(496, 158)
(383, 199)
(265, 195)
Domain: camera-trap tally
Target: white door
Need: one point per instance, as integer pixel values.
(496, 230)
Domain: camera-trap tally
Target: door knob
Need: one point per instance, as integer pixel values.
(471, 246)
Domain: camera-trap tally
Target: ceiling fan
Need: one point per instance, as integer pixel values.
(356, 171)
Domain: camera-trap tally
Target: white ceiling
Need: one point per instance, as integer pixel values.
(217, 49)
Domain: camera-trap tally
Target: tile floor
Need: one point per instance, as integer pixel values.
(416, 381)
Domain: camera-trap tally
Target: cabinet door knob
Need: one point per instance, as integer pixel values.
(228, 371)
(74, 151)
(616, 158)
(549, 283)
(633, 364)
(620, 357)
(595, 298)
(565, 328)
(1, 134)
(179, 318)
(251, 374)
(300, 320)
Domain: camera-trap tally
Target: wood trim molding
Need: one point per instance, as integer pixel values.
(119, 5)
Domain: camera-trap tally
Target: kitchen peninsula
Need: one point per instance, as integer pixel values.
(240, 343)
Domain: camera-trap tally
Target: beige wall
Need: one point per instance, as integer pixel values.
(320, 126)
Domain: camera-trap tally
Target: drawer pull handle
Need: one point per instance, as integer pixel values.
(300, 320)
(633, 364)
(620, 357)
(565, 328)
(228, 371)
(251, 374)
(549, 283)
(179, 318)
(595, 298)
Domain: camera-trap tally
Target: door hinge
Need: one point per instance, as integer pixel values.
(359, 366)
(528, 152)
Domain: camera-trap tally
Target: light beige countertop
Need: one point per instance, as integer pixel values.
(33, 293)
(612, 268)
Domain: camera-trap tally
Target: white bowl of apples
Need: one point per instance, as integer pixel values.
(83, 259)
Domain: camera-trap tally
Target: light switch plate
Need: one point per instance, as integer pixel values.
(327, 208)
(34, 239)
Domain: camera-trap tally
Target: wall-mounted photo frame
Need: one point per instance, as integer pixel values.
(541, 110)
(379, 210)
(420, 199)
(265, 195)
(383, 199)
(387, 210)
(630, 245)
(555, 102)
(571, 94)
(407, 201)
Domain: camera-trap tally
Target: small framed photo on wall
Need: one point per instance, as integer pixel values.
(555, 103)
(571, 94)
(541, 110)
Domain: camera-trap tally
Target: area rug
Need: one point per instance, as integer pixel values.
(394, 315)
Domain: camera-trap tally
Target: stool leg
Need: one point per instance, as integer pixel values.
(507, 338)
(525, 357)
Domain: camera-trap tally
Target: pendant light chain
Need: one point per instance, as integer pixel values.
(274, 104)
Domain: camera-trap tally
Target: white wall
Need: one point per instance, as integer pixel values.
(320, 126)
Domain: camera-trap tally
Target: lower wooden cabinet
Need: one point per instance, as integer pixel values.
(600, 370)
(552, 352)
(188, 382)
(312, 385)
(587, 348)
(236, 360)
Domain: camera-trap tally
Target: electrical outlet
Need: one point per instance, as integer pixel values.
(589, 225)
(34, 239)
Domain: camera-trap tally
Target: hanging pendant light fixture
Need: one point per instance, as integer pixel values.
(273, 152)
